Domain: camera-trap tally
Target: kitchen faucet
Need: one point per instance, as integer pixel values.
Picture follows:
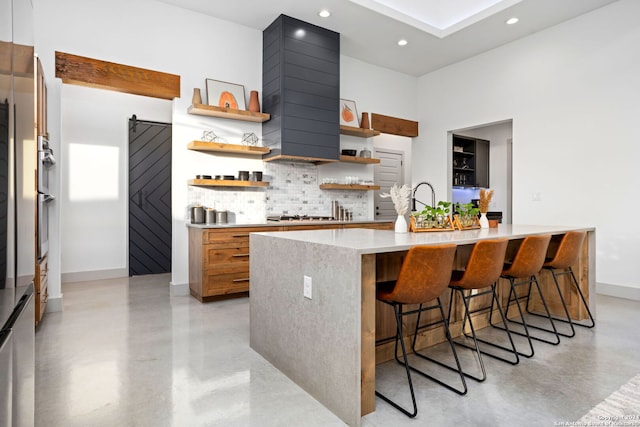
(413, 197)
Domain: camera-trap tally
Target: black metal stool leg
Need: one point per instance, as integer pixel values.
(575, 283)
(524, 322)
(397, 310)
(526, 326)
(567, 319)
(458, 368)
(512, 350)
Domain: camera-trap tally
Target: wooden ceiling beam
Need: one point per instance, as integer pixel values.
(394, 125)
(82, 71)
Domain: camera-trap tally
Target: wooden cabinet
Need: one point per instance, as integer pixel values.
(41, 101)
(41, 288)
(470, 162)
(219, 257)
(219, 262)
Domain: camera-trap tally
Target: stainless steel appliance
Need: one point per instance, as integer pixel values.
(18, 204)
(45, 161)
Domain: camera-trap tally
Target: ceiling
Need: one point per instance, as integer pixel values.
(370, 29)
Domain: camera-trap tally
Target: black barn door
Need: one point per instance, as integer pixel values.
(149, 197)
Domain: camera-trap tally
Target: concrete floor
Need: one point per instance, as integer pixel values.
(125, 353)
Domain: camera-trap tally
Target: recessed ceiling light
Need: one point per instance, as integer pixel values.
(324, 13)
(402, 42)
(512, 21)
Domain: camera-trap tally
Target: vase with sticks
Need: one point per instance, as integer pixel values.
(400, 197)
(483, 205)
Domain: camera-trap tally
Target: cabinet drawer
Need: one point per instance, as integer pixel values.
(220, 284)
(41, 299)
(237, 235)
(214, 255)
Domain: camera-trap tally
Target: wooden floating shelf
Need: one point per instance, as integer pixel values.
(355, 159)
(226, 183)
(359, 132)
(349, 187)
(220, 147)
(227, 113)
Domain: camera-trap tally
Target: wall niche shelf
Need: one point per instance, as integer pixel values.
(227, 113)
(219, 147)
(359, 132)
(349, 187)
(226, 183)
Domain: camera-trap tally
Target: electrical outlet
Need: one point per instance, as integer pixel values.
(308, 287)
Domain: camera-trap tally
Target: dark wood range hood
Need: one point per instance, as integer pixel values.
(301, 91)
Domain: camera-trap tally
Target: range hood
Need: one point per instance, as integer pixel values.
(301, 91)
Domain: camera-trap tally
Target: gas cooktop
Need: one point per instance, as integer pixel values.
(307, 218)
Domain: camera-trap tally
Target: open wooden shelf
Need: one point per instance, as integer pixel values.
(356, 159)
(359, 132)
(227, 113)
(349, 187)
(226, 183)
(221, 147)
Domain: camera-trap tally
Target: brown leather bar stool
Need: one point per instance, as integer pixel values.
(567, 254)
(482, 271)
(424, 275)
(522, 271)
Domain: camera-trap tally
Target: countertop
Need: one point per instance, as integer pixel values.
(286, 223)
(366, 241)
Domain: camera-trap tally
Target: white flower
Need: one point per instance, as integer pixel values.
(400, 197)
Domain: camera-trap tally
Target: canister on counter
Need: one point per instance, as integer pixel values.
(221, 217)
(210, 216)
(197, 214)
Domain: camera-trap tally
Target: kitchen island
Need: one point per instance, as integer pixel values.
(327, 343)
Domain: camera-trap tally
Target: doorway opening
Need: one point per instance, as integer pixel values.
(500, 137)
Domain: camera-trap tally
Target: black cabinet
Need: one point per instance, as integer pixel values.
(301, 90)
(470, 162)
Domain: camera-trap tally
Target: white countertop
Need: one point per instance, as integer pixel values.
(287, 223)
(376, 241)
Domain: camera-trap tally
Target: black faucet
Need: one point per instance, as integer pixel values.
(413, 197)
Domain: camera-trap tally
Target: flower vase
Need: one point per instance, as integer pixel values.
(484, 222)
(254, 102)
(197, 97)
(401, 224)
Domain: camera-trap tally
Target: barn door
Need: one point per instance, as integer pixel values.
(149, 197)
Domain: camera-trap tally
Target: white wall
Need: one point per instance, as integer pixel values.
(572, 92)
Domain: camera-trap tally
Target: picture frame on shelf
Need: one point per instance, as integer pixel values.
(225, 94)
(348, 113)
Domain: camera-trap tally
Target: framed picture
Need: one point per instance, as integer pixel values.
(348, 113)
(225, 95)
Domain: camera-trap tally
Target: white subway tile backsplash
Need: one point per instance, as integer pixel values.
(294, 189)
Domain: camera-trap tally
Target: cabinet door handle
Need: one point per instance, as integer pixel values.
(240, 255)
(241, 235)
(241, 280)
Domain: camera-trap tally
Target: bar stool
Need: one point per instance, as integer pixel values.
(424, 275)
(566, 255)
(522, 271)
(482, 271)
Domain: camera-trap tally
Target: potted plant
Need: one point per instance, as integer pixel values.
(467, 214)
(433, 217)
